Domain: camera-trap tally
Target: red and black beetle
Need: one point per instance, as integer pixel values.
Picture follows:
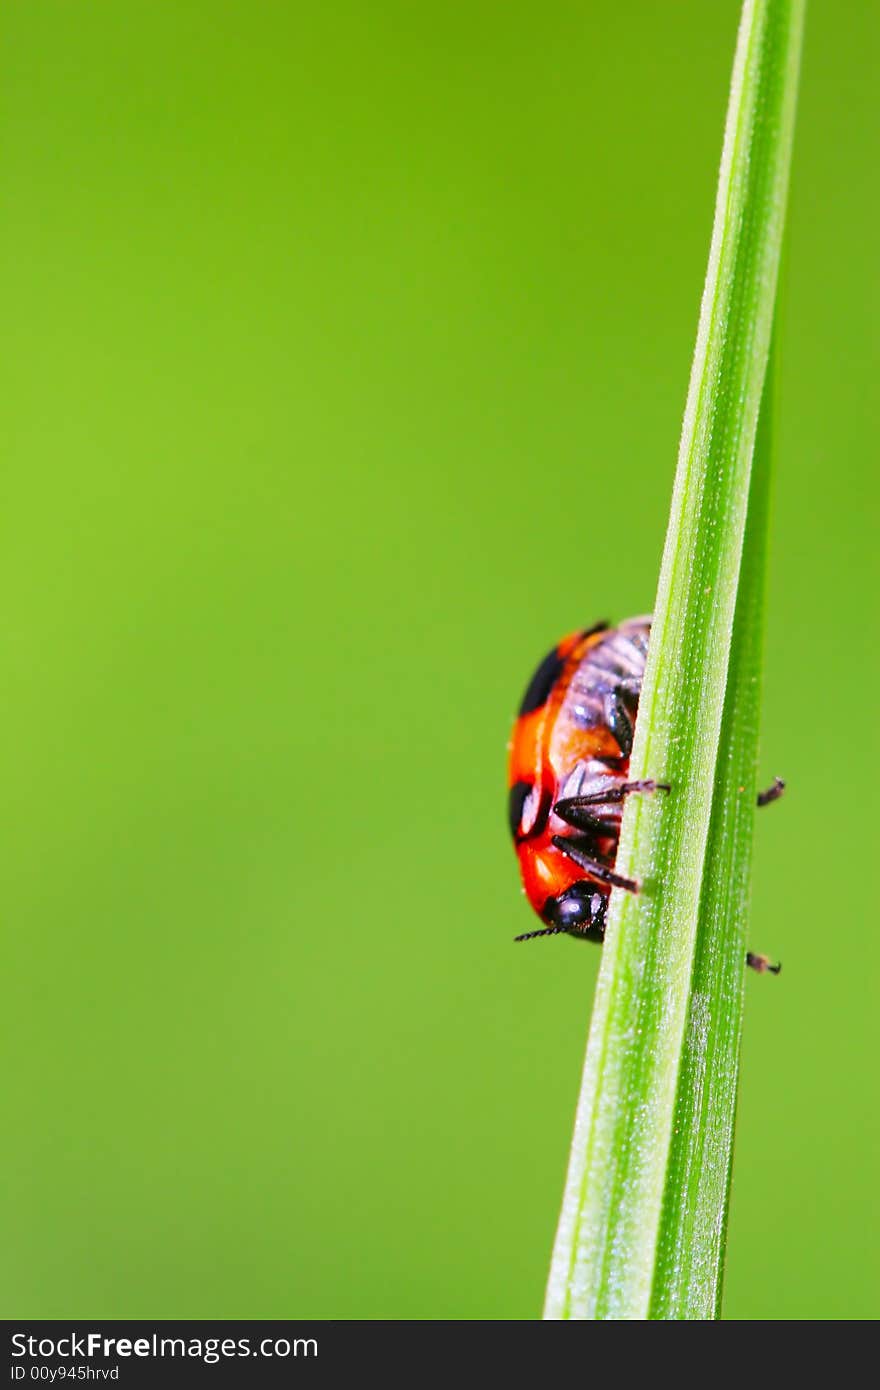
(568, 777)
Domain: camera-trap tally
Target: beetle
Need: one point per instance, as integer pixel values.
(568, 778)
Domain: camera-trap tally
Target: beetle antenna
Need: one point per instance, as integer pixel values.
(545, 931)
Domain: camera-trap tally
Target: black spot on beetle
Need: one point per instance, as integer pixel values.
(542, 682)
(548, 674)
(516, 800)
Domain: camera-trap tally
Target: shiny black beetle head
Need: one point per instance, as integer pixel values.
(579, 911)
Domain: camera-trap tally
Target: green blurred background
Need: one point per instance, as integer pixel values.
(345, 352)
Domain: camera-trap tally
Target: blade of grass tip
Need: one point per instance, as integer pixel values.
(604, 1259)
(693, 1230)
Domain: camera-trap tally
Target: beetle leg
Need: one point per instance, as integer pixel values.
(580, 817)
(620, 706)
(568, 808)
(762, 964)
(772, 793)
(601, 872)
(647, 784)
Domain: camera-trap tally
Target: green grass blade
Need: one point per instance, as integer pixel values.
(605, 1260)
(690, 1250)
